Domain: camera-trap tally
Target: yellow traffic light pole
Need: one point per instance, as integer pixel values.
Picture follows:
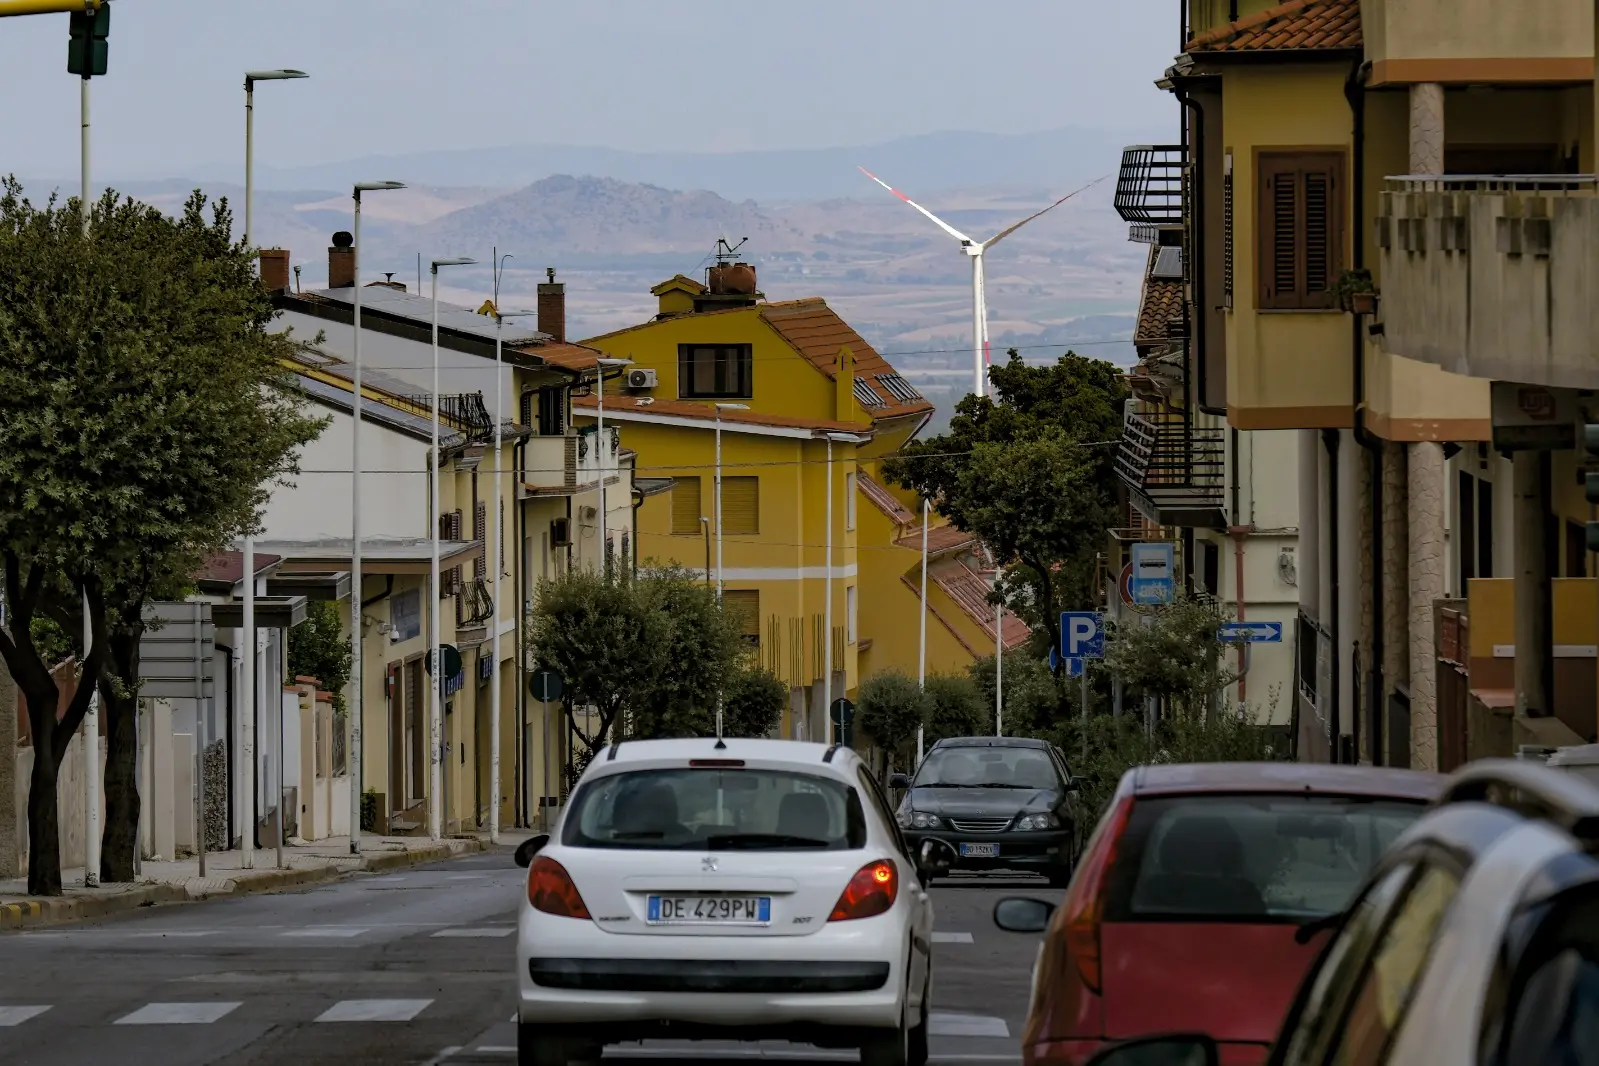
(47, 7)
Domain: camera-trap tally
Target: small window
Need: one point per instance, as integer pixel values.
(714, 371)
(1300, 203)
(745, 607)
(686, 512)
(741, 505)
(849, 501)
(849, 613)
(866, 396)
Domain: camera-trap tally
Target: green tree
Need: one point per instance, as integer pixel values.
(1177, 656)
(891, 708)
(752, 705)
(1031, 473)
(1033, 699)
(148, 413)
(955, 708)
(703, 649)
(319, 648)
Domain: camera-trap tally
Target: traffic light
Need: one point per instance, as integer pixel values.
(87, 49)
(1590, 481)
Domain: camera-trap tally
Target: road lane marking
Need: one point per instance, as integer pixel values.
(342, 931)
(375, 1010)
(182, 933)
(474, 932)
(941, 1024)
(952, 938)
(178, 1013)
(17, 1015)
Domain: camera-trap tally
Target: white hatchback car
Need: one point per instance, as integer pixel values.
(726, 890)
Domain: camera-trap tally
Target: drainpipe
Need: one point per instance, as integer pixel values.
(519, 538)
(1376, 686)
(638, 501)
(1239, 531)
(1329, 440)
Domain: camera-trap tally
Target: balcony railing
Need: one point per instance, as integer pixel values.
(569, 463)
(1490, 275)
(464, 412)
(1175, 473)
(1149, 189)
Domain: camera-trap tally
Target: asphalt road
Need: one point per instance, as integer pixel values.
(410, 967)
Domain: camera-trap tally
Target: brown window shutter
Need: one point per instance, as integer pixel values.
(741, 505)
(686, 510)
(1227, 238)
(1300, 217)
(744, 605)
(480, 533)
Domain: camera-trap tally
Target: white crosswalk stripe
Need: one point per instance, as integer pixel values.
(375, 1010)
(339, 931)
(942, 1024)
(474, 931)
(17, 1015)
(178, 1013)
(952, 938)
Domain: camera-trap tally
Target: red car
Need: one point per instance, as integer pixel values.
(1202, 899)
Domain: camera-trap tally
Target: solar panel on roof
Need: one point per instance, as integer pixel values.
(1168, 263)
(420, 309)
(867, 395)
(899, 388)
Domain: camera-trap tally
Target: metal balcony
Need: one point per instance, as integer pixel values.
(1149, 189)
(464, 412)
(1175, 473)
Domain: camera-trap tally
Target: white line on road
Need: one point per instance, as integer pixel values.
(17, 1015)
(175, 932)
(375, 1010)
(952, 938)
(478, 932)
(343, 931)
(178, 1013)
(940, 1024)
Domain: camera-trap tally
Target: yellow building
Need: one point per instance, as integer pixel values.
(805, 410)
(1350, 274)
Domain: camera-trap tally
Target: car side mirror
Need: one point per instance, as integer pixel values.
(1074, 784)
(1186, 1050)
(936, 857)
(529, 848)
(900, 781)
(1019, 914)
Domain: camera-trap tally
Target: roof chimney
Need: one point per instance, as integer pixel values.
(341, 261)
(552, 307)
(275, 269)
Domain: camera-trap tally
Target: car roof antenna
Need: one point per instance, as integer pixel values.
(721, 745)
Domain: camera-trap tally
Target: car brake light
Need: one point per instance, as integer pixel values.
(871, 891)
(1085, 906)
(550, 889)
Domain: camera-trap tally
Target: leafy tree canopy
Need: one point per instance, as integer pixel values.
(891, 708)
(955, 708)
(1032, 696)
(319, 648)
(1177, 655)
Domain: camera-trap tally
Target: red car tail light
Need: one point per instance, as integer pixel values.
(550, 889)
(1085, 904)
(870, 892)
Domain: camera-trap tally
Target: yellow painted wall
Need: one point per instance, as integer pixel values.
(1285, 369)
(1492, 613)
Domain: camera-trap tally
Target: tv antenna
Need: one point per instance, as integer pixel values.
(726, 253)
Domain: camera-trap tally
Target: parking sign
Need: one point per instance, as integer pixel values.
(1082, 635)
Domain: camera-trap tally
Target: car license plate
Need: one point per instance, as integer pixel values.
(710, 910)
(980, 851)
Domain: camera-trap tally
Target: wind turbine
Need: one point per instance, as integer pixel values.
(974, 250)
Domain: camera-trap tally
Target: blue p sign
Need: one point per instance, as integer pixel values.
(1082, 635)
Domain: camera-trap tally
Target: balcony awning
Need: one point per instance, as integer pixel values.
(379, 555)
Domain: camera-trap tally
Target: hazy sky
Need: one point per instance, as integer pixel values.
(393, 76)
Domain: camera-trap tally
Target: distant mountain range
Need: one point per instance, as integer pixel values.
(921, 164)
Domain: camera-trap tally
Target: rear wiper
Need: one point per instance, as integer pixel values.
(733, 841)
(1309, 929)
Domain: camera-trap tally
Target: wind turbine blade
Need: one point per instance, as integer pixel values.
(996, 238)
(940, 223)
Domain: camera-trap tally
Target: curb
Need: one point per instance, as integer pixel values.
(41, 912)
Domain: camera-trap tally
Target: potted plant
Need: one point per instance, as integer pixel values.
(1356, 292)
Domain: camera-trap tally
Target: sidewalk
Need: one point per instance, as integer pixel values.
(180, 881)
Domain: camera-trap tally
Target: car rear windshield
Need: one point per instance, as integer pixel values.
(990, 767)
(1253, 858)
(701, 808)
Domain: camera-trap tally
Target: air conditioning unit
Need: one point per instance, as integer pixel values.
(560, 534)
(587, 513)
(641, 379)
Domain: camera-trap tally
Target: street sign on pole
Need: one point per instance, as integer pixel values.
(1074, 667)
(546, 685)
(175, 651)
(1154, 577)
(1252, 632)
(842, 713)
(1082, 635)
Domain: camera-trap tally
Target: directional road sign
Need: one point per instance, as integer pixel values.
(1252, 632)
(1082, 635)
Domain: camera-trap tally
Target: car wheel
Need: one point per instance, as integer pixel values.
(891, 1048)
(536, 1046)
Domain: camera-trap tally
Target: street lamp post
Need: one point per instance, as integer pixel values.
(248, 661)
(357, 687)
(436, 712)
(602, 452)
(494, 564)
(719, 569)
(921, 667)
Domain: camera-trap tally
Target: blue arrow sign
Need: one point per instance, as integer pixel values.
(1082, 635)
(1252, 632)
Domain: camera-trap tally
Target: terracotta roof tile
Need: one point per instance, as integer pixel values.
(707, 412)
(1299, 25)
(817, 332)
(565, 356)
(940, 539)
(883, 500)
(227, 568)
(968, 589)
(1162, 301)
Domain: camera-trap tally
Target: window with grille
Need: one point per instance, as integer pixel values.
(898, 387)
(450, 528)
(1227, 234)
(686, 511)
(1300, 201)
(741, 505)
(866, 396)
(715, 371)
(552, 411)
(744, 605)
